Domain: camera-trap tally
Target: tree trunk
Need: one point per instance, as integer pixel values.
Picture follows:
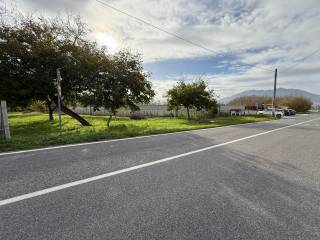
(188, 112)
(50, 109)
(109, 120)
(72, 114)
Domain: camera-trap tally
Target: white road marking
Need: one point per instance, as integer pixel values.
(95, 178)
(121, 139)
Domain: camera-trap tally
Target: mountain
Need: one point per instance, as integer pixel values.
(281, 92)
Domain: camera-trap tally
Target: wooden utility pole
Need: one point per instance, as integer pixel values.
(4, 123)
(59, 79)
(274, 91)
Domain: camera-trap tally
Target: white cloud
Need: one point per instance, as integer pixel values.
(161, 87)
(285, 30)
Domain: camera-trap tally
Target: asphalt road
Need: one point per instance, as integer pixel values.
(254, 181)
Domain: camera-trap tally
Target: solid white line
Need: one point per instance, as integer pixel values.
(91, 179)
(118, 140)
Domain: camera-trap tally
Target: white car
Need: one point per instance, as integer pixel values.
(269, 111)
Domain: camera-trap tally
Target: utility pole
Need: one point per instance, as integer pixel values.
(274, 92)
(59, 79)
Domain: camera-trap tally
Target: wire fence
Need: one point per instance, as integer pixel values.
(145, 111)
(154, 110)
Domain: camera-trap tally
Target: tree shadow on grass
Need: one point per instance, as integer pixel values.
(39, 125)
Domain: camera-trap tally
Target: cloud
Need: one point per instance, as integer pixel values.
(266, 34)
(161, 87)
(54, 6)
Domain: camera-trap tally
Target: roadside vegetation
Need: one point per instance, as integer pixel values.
(192, 95)
(34, 130)
(298, 103)
(36, 51)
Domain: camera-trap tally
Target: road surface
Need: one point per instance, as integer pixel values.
(252, 181)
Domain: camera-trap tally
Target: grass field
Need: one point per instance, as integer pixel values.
(34, 130)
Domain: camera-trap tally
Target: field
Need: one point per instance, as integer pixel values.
(34, 130)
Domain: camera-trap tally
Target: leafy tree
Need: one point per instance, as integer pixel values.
(300, 104)
(250, 101)
(191, 95)
(172, 100)
(121, 83)
(31, 50)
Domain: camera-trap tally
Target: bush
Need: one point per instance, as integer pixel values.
(300, 104)
(137, 117)
(39, 106)
(168, 115)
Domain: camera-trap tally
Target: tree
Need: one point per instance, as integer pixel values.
(172, 100)
(298, 103)
(250, 101)
(32, 50)
(191, 95)
(121, 83)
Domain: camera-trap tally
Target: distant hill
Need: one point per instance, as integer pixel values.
(281, 92)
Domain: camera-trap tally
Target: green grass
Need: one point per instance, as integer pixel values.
(34, 130)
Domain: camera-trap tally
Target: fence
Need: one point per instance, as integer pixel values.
(226, 110)
(154, 110)
(151, 110)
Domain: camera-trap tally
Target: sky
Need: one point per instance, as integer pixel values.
(247, 39)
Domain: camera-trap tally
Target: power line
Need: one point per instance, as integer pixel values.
(301, 60)
(158, 28)
(167, 32)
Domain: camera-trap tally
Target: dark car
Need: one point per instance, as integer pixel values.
(292, 112)
(286, 112)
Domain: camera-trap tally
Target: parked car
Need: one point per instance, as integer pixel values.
(269, 111)
(292, 112)
(285, 112)
(235, 112)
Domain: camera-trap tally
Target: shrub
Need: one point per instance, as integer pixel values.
(39, 106)
(137, 117)
(300, 104)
